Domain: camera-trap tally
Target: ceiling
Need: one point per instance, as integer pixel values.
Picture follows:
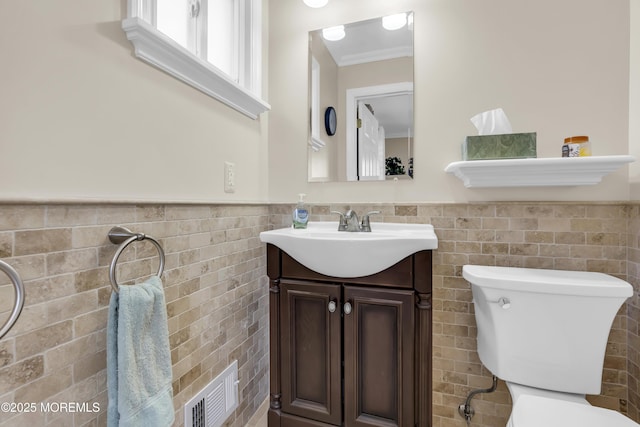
(394, 114)
(368, 41)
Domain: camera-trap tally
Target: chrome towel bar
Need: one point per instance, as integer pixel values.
(123, 237)
(19, 293)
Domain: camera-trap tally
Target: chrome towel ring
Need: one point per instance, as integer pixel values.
(123, 237)
(19, 293)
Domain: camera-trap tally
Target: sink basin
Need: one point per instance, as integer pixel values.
(322, 248)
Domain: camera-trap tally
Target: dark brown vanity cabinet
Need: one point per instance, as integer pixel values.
(350, 352)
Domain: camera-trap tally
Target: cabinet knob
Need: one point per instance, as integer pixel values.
(332, 306)
(347, 308)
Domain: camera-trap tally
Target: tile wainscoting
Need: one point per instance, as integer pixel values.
(215, 286)
(633, 314)
(217, 298)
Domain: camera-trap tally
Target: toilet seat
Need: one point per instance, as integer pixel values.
(536, 411)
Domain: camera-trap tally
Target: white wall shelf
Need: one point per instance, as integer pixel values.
(547, 172)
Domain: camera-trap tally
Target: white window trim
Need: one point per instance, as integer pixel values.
(159, 50)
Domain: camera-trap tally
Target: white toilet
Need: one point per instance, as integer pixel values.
(544, 332)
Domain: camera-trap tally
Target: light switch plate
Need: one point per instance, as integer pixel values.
(229, 177)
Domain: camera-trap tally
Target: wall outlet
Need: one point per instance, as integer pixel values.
(229, 177)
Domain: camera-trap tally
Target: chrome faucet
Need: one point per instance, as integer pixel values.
(352, 221)
(349, 221)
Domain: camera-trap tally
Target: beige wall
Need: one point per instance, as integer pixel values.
(75, 97)
(83, 119)
(634, 100)
(550, 71)
(322, 163)
(398, 147)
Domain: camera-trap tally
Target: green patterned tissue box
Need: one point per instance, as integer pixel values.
(507, 146)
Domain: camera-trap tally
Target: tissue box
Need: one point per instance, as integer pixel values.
(507, 146)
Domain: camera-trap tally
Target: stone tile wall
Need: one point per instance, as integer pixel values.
(217, 299)
(214, 282)
(588, 237)
(633, 311)
(570, 237)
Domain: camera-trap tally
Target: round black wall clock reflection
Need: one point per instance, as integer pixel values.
(330, 121)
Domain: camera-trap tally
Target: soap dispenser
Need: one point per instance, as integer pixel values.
(300, 213)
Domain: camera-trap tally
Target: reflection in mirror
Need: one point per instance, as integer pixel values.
(365, 72)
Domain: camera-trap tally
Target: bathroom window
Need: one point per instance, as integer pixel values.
(213, 45)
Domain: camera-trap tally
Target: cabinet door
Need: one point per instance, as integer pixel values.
(310, 343)
(378, 357)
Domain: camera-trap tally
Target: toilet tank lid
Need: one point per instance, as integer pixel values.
(561, 282)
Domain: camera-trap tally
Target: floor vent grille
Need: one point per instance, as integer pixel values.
(216, 402)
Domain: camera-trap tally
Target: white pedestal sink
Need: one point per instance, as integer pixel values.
(322, 248)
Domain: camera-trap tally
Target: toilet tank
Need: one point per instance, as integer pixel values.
(545, 328)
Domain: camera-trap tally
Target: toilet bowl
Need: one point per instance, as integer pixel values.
(544, 332)
(535, 411)
(545, 408)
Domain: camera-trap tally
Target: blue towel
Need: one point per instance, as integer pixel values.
(138, 358)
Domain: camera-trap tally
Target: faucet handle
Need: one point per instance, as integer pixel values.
(366, 225)
(342, 225)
